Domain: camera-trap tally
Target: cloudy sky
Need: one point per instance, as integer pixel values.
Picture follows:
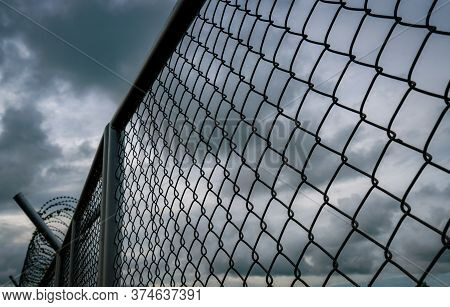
(55, 102)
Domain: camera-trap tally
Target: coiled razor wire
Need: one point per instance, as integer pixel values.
(292, 143)
(57, 214)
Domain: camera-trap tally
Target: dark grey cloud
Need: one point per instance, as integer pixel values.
(116, 34)
(14, 247)
(24, 146)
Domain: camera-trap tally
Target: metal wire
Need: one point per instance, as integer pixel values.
(65, 263)
(87, 246)
(49, 278)
(57, 214)
(236, 167)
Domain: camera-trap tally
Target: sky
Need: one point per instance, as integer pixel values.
(55, 102)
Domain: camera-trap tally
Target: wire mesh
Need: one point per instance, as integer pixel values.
(65, 265)
(292, 143)
(87, 245)
(49, 278)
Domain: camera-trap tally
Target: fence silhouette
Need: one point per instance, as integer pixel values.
(273, 143)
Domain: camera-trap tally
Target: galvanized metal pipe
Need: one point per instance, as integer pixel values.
(179, 21)
(74, 233)
(111, 208)
(58, 271)
(37, 220)
(103, 206)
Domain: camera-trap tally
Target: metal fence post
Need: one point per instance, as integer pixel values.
(37, 220)
(110, 208)
(58, 271)
(103, 206)
(73, 244)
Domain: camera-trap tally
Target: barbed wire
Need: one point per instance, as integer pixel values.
(57, 214)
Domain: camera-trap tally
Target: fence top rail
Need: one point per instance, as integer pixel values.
(181, 17)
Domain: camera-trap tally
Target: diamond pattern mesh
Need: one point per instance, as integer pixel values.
(278, 146)
(87, 245)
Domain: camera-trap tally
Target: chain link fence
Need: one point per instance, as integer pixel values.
(241, 165)
(298, 143)
(87, 246)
